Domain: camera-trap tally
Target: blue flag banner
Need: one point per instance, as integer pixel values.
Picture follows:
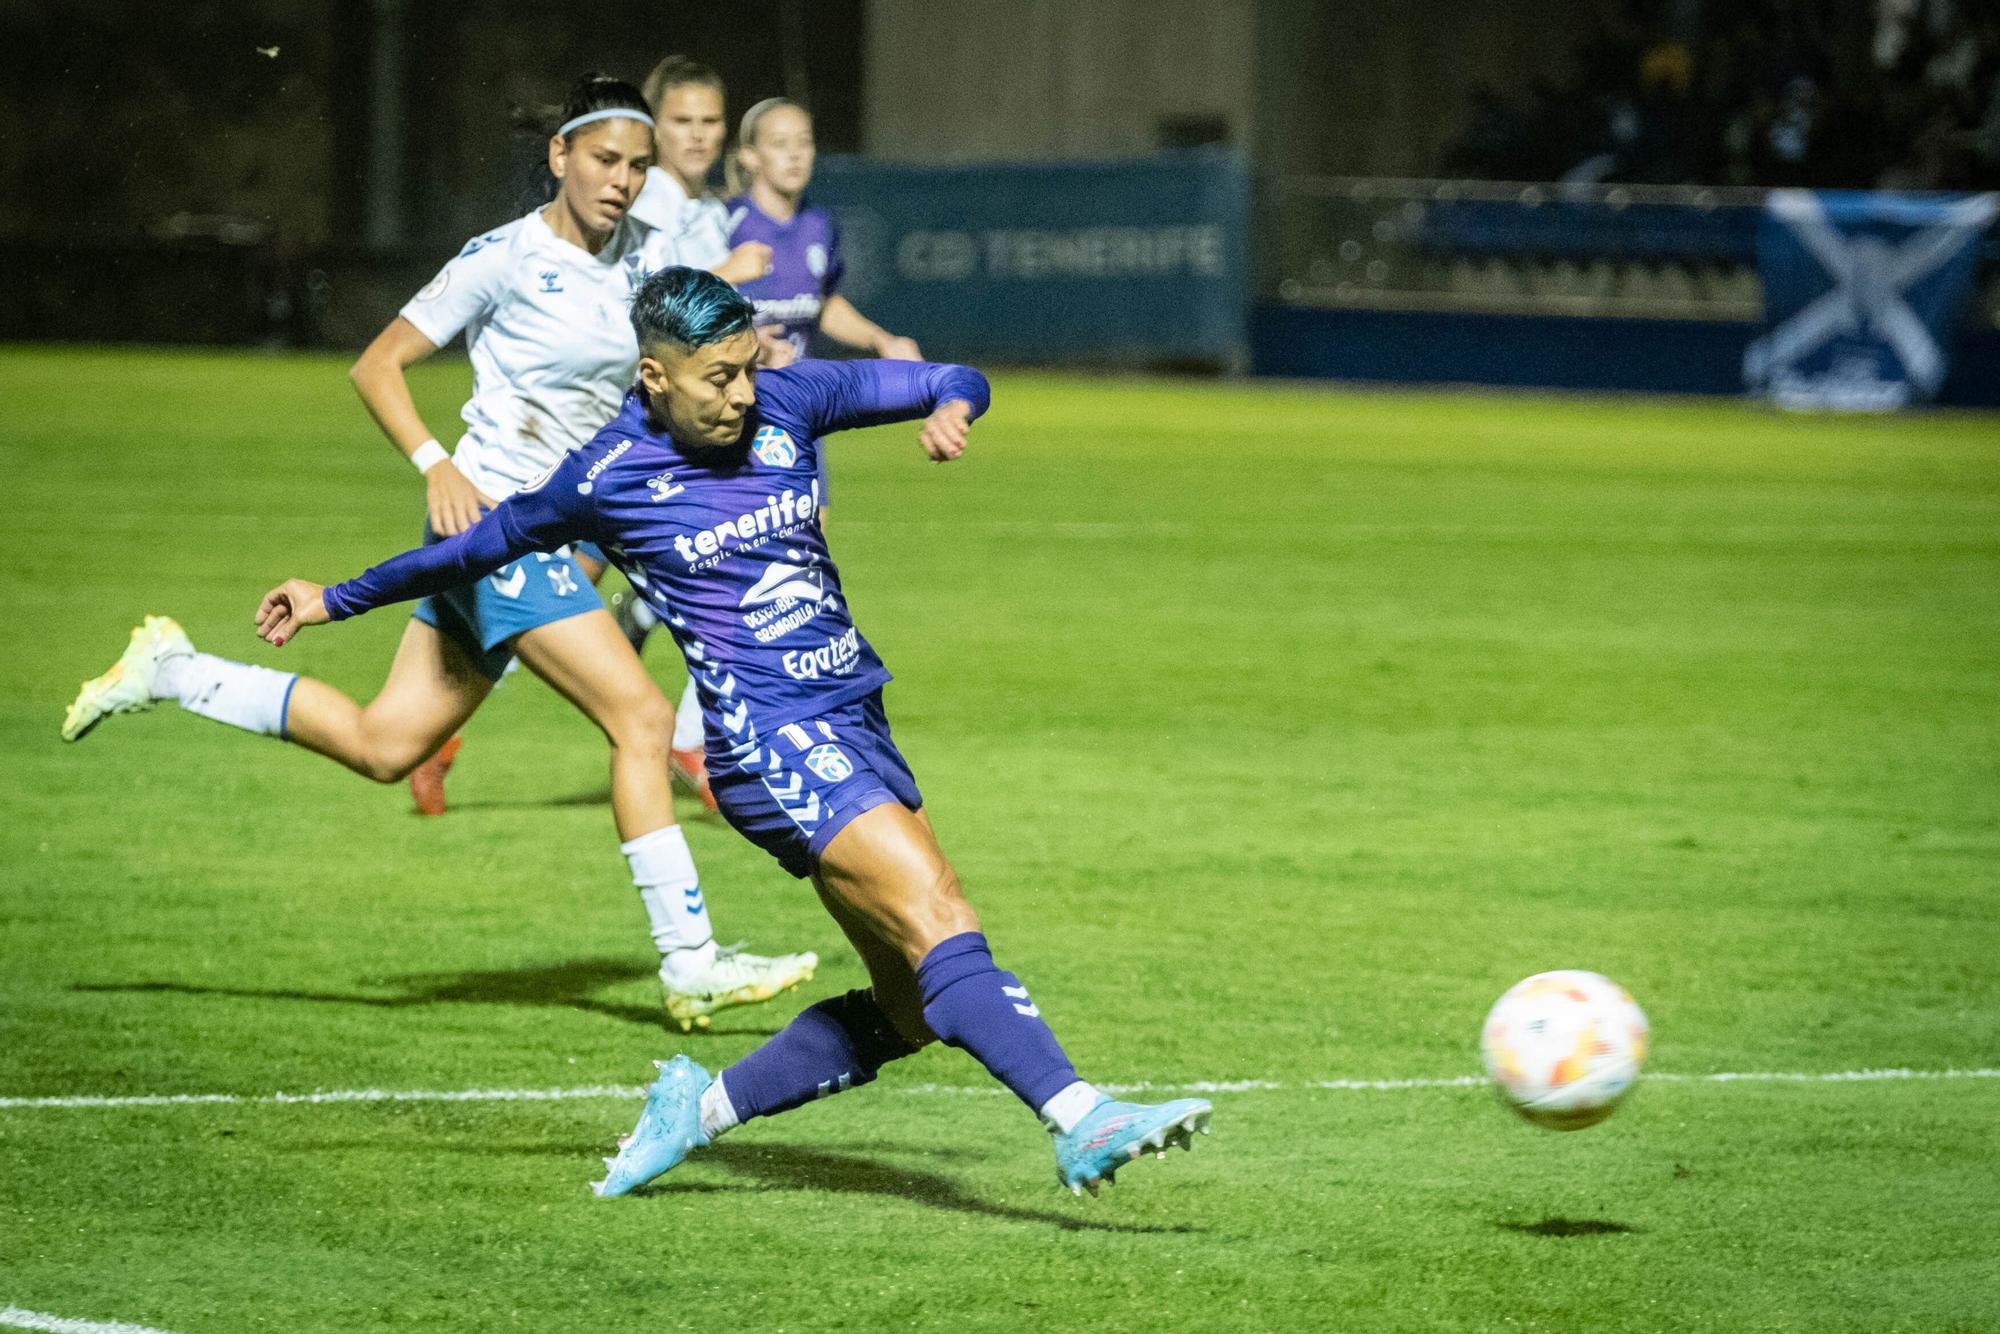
(1862, 294)
(1135, 261)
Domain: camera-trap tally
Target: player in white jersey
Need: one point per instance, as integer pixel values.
(543, 303)
(688, 131)
(687, 102)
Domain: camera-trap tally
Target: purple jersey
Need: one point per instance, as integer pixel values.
(805, 266)
(724, 543)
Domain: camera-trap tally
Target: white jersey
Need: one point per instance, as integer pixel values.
(699, 228)
(548, 326)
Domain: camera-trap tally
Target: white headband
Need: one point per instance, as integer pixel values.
(609, 113)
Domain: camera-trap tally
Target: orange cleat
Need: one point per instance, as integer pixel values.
(689, 770)
(427, 779)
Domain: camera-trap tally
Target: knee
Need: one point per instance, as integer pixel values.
(645, 724)
(936, 915)
(391, 760)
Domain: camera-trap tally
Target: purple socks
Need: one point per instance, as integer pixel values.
(840, 1043)
(831, 1046)
(971, 1004)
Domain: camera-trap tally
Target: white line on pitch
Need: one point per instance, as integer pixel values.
(1201, 1086)
(16, 1318)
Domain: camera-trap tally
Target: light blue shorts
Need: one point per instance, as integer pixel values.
(536, 590)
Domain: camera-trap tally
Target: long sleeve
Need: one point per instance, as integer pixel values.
(839, 395)
(543, 517)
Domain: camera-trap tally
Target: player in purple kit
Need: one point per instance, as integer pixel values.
(703, 491)
(769, 175)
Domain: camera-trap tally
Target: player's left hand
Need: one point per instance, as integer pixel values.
(945, 430)
(895, 347)
(289, 608)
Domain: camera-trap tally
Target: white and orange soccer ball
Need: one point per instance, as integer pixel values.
(1564, 1047)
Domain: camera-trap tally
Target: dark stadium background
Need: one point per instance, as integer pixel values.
(282, 172)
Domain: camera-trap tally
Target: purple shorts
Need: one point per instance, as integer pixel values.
(791, 791)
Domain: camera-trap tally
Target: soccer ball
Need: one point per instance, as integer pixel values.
(1564, 1047)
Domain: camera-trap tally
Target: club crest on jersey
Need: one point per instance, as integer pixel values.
(816, 259)
(774, 447)
(664, 487)
(830, 763)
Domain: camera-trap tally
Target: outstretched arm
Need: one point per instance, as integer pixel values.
(541, 518)
(452, 563)
(839, 395)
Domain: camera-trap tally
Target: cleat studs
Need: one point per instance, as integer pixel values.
(623, 1140)
(610, 1163)
(659, 1065)
(1161, 1155)
(597, 1187)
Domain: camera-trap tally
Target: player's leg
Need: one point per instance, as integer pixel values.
(433, 687)
(686, 762)
(887, 869)
(829, 1047)
(876, 861)
(890, 886)
(585, 659)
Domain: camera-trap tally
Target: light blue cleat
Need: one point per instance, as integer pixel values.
(669, 1129)
(1113, 1134)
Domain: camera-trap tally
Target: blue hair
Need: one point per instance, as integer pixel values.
(689, 308)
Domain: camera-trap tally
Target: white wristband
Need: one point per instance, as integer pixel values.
(428, 455)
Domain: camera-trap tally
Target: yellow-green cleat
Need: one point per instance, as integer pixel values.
(732, 978)
(128, 686)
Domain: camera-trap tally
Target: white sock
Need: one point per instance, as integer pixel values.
(252, 698)
(687, 720)
(643, 615)
(663, 869)
(717, 1112)
(1061, 1113)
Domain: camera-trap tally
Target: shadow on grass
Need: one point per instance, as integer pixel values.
(686, 808)
(1570, 1227)
(794, 1167)
(595, 797)
(568, 986)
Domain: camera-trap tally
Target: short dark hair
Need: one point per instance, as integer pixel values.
(688, 308)
(676, 72)
(601, 92)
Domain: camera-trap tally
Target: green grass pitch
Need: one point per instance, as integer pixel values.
(1274, 732)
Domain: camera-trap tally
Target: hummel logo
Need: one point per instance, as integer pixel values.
(664, 487)
(510, 584)
(1019, 994)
